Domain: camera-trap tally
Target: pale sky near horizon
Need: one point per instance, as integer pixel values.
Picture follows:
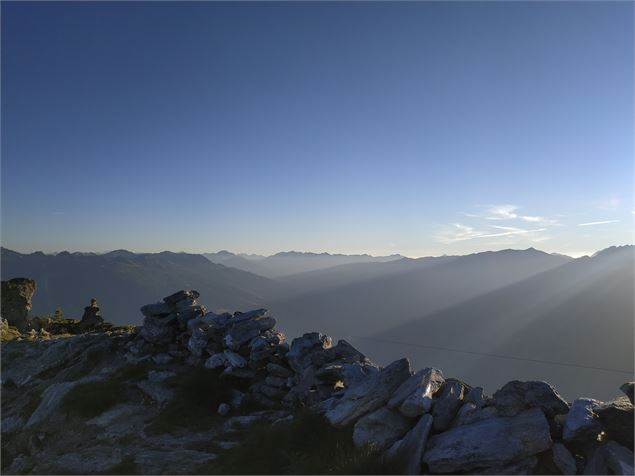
(420, 128)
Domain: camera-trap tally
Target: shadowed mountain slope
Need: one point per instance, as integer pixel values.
(123, 281)
(580, 314)
(385, 295)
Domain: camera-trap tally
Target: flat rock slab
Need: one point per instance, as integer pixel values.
(517, 396)
(489, 443)
(381, 428)
(369, 394)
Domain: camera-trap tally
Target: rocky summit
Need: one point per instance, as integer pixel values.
(195, 392)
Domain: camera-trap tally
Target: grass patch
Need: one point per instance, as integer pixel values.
(131, 372)
(87, 400)
(198, 394)
(306, 445)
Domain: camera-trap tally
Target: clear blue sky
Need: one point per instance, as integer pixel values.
(418, 128)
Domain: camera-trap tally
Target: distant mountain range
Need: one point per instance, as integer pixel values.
(521, 307)
(123, 281)
(290, 262)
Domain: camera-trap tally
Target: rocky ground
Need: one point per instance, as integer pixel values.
(193, 392)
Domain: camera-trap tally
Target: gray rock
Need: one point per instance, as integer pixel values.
(406, 453)
(96, 459)
(278, 370)
(162, 359)
(245, 330)
(448, 402)
(300, 354)
(249, 315)
(618, 458)
(216, 361)
(523, 466)
(517, 396)
(617, 418)
(476, 396)
(157, 309)
(243, 373)
(156, 331)
(488, 443)
(217, 321)
(274, 393)
(276, 381)
(186, 294)
(223, 409)
(470, 413)
(52, 398)
(343, 352)
(197, 342)
(563, 459)
(596, 463)
(369, 394)
(582, 423)
(240, 422)
(627, 388)
(234, 359)
(172, 460)
(380, 428)
(156, 390)
(186, 315)
(414, 396)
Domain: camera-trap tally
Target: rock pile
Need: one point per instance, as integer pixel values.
(422, 421)
(16, 301)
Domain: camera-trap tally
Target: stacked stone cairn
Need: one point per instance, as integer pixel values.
(422, 421)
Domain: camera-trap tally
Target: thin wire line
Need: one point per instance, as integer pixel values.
(498, 356)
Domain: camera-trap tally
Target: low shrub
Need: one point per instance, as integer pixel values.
(87, 400)
(306, 445)
(197, 396)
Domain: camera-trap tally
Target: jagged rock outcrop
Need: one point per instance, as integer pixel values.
(16, 301)
(420, 421)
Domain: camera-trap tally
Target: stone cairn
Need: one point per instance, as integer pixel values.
(91, 317)
(421, 420)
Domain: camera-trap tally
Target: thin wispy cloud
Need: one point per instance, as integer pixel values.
(460, 232)
(510, 212)
(593, 223)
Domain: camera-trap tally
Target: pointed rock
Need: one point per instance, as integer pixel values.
(414, 396)
(406, 453)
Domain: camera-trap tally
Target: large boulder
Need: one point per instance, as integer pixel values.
(489, 443)
(414, 396)
(16, 295)
(517, 396)
(563, 459)
(380, 428)
(627, 388)
(448, 403)
(582, 423)
(616, 418)
(369, 394)
(406, 453)
(618, 458)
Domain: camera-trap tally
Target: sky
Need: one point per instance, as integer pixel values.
(420, 128)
